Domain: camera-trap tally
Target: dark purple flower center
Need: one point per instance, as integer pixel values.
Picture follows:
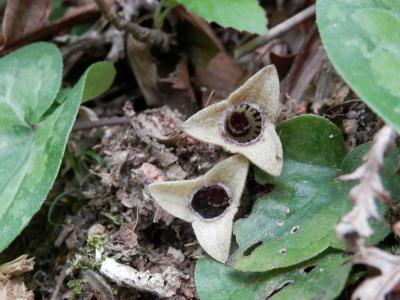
(239, 125)
(210, 201)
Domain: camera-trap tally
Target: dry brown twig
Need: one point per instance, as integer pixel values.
(354, 226)
(164, 284)
(276, 31)
(153, 37)
(370, 187)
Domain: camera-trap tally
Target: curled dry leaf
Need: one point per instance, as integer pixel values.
(18, 266)
(244, 123)
(201, 24)
(144, 66)
(381, 286)
(363, 195)
(354, 226)
(306, 65)
(14, 288)
(209, 202)
(12, 285)
(218, 78)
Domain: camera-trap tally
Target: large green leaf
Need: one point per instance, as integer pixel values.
(32, 142)
(362, 39)
(296, 221)
(320, 278)
(243, 15)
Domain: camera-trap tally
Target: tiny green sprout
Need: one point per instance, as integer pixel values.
(117, 220)
(244, 123)
(96, 241)
(76, 286)
(208, 202)
(87, 263)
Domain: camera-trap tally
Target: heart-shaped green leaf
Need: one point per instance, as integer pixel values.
(242, 15)
(362, 39)
(32, 140)
(322, 277)
(296, 221)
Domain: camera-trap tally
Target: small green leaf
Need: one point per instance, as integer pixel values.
(296, 220)
(363, 41)
(100, 77)
(322, 278)
(242, 15)
(32, 141)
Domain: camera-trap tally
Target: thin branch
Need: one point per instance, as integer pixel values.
(163, 284)
(116, 121)
(273, 33)
(60, 280)
(150, 36)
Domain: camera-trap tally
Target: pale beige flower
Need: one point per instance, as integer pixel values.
(208, 202)
(244, 123)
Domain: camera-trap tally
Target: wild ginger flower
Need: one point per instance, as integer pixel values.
(244, 123)
(208, 202)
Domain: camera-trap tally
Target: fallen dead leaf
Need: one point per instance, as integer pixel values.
(305, 66)
(144, 67)
(175, 172)
(23, 17)
(181, 96)
(12, 285)
(200, 24)
(282, 59)
(13, 288)
(165, 158)
(220, 76)
(331, 91)
(151, 173)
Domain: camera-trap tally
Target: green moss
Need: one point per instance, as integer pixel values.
(96, 241)
(76, 286)
(87, 263)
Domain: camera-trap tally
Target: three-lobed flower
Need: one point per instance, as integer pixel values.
(245, 122)
(208, 202)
